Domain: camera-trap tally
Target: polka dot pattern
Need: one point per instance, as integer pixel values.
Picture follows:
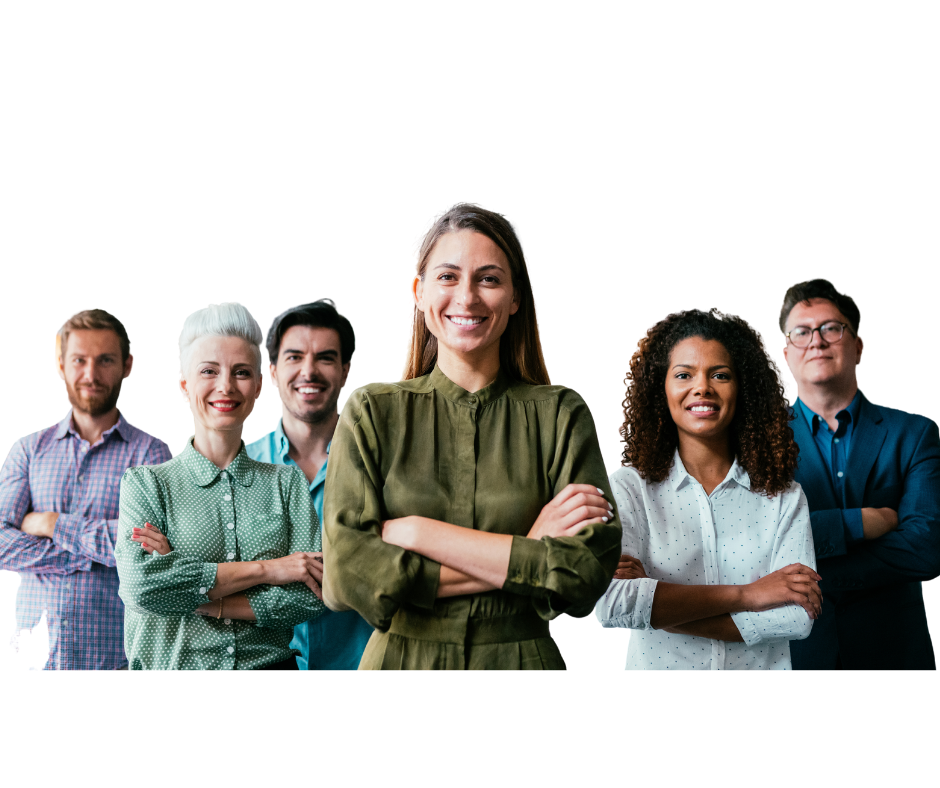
(250, 511)
(732, 537)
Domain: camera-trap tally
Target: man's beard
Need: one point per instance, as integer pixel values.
(94, 405)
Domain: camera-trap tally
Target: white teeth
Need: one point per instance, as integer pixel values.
(466, 321)
(308, 390)
(702, 408)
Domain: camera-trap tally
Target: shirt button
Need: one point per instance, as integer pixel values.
(840, 474)
(230, 650)
(79, 479)
(836, 440)
(472, 400)
(228, 621)
(230, 526)
(226, 497)
(231, 556)
(202, 590)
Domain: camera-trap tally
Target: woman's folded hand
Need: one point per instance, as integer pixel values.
(629, 568)
(306, 568)
(795, 584)
(151, 539)
(576, 506)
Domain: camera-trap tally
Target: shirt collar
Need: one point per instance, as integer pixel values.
(455, 393)
(678, 476)
(847, 416)
(121, 428)
(205, 472)
(282, 445)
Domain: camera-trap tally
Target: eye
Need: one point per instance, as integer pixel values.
(206, 371)
(799, 332)
(243, 373)
(722, 376)
(682, 375)
(446, 277)
(292, 357)
(490, 279)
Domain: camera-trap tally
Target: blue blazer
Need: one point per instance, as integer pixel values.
(873, 609)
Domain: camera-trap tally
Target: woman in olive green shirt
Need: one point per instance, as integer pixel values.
(216, 552)
(468, 505)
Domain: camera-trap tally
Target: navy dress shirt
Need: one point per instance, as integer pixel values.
(834, 448)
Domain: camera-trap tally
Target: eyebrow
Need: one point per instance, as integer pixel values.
(452, 267)
(330, 352)
(710, 369)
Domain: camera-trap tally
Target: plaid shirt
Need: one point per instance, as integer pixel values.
(71, 577)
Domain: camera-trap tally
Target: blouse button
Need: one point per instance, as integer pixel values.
(228, 621)
(231, 556)
(230, 650)
(226, 497)
(230, 526)
(840, 474)
(202, 590)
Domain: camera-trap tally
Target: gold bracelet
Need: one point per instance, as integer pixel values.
(220, 609)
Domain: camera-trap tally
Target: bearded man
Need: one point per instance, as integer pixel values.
(59, 494)
(310, 348)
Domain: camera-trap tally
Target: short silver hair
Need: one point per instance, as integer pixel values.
(220, 320)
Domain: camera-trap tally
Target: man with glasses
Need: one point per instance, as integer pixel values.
(872, 478)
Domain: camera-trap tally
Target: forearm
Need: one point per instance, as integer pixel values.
(715, 627)
(234, 577)
(675, 604)
(481, 555)
(21, 552)
(235, 606)
(454, 583)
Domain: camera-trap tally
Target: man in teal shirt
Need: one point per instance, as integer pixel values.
(310, 347)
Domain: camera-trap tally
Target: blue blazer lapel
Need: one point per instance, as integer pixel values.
(812, 472)
(868, 436)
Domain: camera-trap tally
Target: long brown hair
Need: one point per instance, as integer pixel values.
(520, 351)
(760, 431)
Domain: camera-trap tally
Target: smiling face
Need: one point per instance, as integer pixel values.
(701, 388)
(221, 382)
(822, 363)
(466, 295)
(309, 373)
(93, 370)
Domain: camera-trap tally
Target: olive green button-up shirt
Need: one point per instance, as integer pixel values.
(488, 460)
(250, 511)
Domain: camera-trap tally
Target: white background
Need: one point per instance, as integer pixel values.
(652, 157)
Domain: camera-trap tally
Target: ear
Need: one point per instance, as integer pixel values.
(785, 353)
(859, 344)
(183, 387)
(272, 368)
(417, 290)
(345, 374)
(514, 306)
(260, 382)
(60, 367)
(128, 365)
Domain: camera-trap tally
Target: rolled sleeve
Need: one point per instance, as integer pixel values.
(627, 604)
(783, 623)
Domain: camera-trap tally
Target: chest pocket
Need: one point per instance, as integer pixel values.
(264, 537)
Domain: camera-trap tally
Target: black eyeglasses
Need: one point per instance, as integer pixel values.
(830, 332)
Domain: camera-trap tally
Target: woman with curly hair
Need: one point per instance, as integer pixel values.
(718, 565)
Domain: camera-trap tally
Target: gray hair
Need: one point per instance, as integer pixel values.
(220, 320)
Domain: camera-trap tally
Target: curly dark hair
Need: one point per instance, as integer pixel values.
(761, 437)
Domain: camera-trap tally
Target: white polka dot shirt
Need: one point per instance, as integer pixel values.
(732, 537)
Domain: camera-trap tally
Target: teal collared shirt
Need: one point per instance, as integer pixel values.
(834, 448)
(332, 641)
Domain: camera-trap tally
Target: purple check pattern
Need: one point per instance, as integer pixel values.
(71, 577)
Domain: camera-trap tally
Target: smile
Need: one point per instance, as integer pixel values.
(703, 408)
(308, 390)
(465, 321)
(224, 405)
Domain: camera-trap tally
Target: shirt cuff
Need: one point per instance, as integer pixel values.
(852, 519)
(206, 583)
(67, 534)
(527, 565)
(747, 626)
(424, 588)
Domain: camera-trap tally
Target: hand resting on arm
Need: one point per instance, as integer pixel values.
(237, 576)
(476, 561)
(704, 611)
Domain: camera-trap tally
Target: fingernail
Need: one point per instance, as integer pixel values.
(600, 490)
(605, 519)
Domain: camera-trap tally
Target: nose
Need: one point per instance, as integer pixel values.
(816, 339)
(308, 367)
(703, 385)
(225, 382)
(467, 294)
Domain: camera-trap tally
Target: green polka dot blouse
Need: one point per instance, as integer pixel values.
(250, 511)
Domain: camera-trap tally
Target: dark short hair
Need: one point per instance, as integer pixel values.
(94, 320)
(318, 314)
(818, 288)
